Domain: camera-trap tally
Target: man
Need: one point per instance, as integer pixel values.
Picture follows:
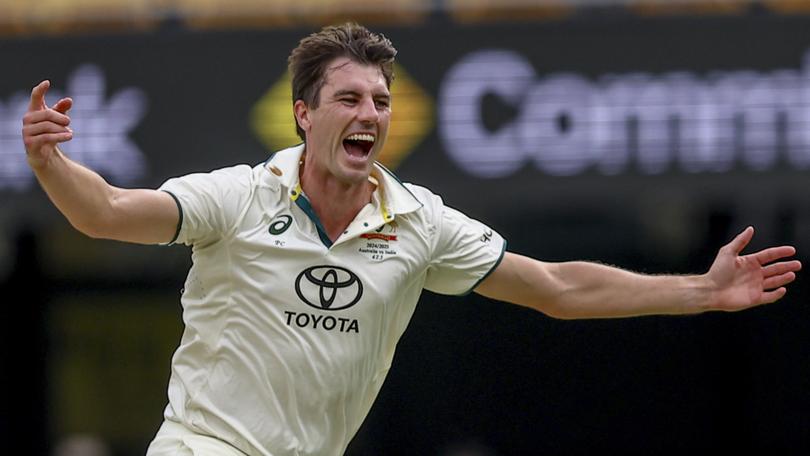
(307, 268)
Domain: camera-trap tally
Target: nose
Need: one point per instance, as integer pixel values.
(367, 111)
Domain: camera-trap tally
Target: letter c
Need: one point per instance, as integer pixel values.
(478, 151)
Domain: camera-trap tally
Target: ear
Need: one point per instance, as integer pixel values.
(301, 111)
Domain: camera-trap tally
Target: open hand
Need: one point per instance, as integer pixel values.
(44, 127)
(745, 281)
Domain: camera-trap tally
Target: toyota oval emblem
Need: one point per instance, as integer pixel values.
(328, 287)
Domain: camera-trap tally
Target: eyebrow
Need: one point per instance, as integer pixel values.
(344, 92)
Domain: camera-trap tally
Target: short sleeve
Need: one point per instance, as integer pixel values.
(209, 203)
(466, 252)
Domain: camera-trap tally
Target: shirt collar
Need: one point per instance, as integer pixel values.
(392, 194)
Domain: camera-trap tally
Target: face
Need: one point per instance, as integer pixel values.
(347, 130)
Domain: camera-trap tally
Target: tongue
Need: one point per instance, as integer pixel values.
(354, 149)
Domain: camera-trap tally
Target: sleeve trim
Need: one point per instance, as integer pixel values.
(494, 266)
(179, 220)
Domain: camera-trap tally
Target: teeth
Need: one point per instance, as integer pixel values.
(361, 137)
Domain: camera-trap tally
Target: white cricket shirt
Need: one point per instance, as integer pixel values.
(288, 336)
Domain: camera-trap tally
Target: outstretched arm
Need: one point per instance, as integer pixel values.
(589, 290)
(92, 206)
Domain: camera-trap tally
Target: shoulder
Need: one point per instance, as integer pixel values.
(238, 175)
(429, 200)
(434, 208)
(234, 177)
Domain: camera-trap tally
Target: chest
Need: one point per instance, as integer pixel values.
(283, 255)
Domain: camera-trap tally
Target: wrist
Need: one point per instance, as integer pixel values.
(39, 161)
(703, 294)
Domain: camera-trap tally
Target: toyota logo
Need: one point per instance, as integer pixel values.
(328, 287)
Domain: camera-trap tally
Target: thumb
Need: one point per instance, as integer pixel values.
(38, 96)
(738, 243)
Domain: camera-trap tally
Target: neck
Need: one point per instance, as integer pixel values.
(336, 203)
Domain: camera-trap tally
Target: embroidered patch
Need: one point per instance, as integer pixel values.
(379, 236)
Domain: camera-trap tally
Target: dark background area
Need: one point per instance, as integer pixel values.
(89, 326)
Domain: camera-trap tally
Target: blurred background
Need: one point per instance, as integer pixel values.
(643, 134)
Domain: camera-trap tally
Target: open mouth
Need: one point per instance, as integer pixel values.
(358, 145)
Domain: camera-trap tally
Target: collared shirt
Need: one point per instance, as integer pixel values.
(289, 336)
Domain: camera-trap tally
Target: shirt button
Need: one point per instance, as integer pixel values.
(365, 223)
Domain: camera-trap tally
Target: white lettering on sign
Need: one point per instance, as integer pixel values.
(567, 124)
(101, 130)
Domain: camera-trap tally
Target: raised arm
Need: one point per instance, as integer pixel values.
(588, 290)
(92, 206)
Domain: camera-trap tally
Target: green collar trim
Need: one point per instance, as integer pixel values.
(301, 200)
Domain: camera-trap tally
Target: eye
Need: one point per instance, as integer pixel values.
(348, 101)
(382, 104)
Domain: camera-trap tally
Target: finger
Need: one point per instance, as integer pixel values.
(772, 296)
(63, 106)
(738, 243)
(44, 127)
(63, 137)
(778, 281)
(38, 96)
(781, 268)
(46, 115)
(50, 138)
(774, 253)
